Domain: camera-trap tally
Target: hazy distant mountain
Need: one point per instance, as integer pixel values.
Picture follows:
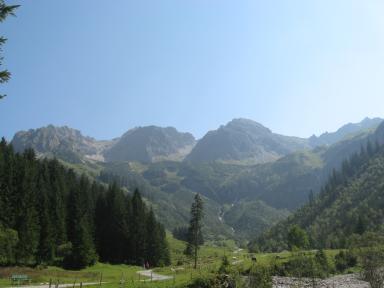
(344, 131)
(151, 144)
(243, 140)
(144, 144)
(62, 142)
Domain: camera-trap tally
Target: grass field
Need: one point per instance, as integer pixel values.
(181, 270)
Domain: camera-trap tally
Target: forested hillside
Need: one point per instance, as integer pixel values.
(349, 205)
(50, 215)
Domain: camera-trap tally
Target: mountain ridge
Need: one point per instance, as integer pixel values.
(240, 141)
(244, 140)
(278, 187)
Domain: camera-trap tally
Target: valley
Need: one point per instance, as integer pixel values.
(253, 197)
(191, 144)
(261, 219)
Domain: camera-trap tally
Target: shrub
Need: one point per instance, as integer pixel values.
(260, 276)
(345, 260)
(372, 260)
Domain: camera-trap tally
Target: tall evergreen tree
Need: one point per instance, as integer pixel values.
(83, 252)
(7, 193)
(111, 226)
(156, 251)
(59, 193)
(195, 236)
(27, 222)
(46, 253)
(137, 225)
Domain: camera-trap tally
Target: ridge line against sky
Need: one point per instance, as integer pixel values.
(298, 67)
(181, 131)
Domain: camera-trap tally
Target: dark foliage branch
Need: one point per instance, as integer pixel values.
(5, 11)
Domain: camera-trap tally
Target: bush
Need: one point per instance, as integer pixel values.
(201, 283)
(8, 243)
(297, 238)
(323, 267)
(215, 282)
(260, 276)
(305, 265)
(345, 260)
(224, 268)
(372, 260)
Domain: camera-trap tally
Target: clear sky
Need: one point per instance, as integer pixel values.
(103, 67)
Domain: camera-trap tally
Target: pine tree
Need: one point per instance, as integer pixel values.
(297, 238)
(7, 193)
(195, 237)
(111, 226)
(27, 219)
(361, 225)
(5, 11)
(156, 252)
(137, 228)
(83, 252)
(59, 193)
(47, 247)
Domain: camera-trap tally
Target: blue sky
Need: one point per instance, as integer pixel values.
(298, 67)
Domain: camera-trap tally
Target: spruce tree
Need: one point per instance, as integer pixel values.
(156, 251)
(5, 11)
(27, 222)
(137, 229)
(83, 252)
(111, 226)
(7, 187)
(195, 237)
(46, 253)
(59, 193)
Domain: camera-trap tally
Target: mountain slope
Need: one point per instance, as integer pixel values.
(351, 203)
(345, 131)
(287, 182)
(250, 218)
(244, 141)
(151, 144)
(61, 142)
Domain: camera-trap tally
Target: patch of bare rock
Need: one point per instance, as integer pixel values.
(339, 281)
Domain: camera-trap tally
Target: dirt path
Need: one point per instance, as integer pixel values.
(152, 276)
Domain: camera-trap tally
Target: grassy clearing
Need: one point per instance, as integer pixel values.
(210, 258)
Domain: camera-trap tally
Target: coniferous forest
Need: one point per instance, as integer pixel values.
(349, 207)
(50, 215)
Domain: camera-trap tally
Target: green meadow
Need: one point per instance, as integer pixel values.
(181, 270)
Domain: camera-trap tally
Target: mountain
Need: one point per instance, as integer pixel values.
(246, 198)
(150, 144)
(346, 130)
(287, 182)
(244, 141)
(143, 144)
(350, 204)
(62, 142)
